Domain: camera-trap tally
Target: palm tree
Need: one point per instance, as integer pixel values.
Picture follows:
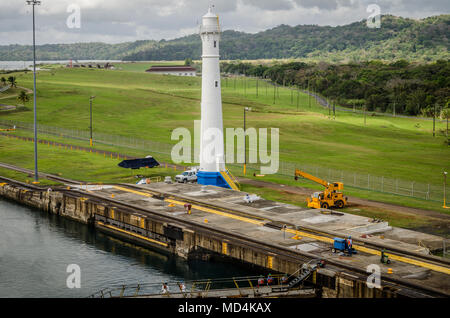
(12, 80)
(23, 97)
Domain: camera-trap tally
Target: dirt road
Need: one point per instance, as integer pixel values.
(27, 90)
(354, 202)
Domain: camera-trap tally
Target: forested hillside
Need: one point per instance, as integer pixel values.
(413, 89)
(75, 51)
(398, 38)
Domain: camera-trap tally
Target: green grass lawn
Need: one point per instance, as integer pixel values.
(135, 104)
(372, 195)
(71, 164)
(91, 167)
(23, 177)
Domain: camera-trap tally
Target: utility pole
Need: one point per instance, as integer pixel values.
(245, 143)
(309, 95)
(257, 81)
(34, 3)
(334, 110)
(365, 115)
(298, 96)
(329, 111)
(445, 184)
(274, 92)
(246, 109)
(434, 121)
(446, 116)
(90, 126)
(394, 109)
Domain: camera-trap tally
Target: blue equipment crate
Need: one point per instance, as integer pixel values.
(339, 244)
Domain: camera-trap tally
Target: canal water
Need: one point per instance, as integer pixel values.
(36, 248)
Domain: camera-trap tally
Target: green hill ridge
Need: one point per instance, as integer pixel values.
(398, 38)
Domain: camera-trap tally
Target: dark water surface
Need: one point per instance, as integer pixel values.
(36, 248)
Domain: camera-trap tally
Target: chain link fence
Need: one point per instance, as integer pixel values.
(430, 192)
(105, 139)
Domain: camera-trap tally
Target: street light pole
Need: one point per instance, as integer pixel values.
(434, 121)
(36, 176)
(90, 126)
(246, 109)
(445, 184)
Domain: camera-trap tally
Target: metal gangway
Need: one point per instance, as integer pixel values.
(239, 287)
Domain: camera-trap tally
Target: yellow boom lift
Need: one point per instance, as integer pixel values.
(330, 197)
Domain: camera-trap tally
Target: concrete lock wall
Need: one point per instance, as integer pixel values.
(184, 242)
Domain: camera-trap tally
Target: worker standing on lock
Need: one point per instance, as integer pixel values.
(269, 280)
(260, 281)
(350, 245)
(182, 287)
(164, 289)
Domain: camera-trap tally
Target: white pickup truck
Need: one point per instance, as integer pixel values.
(187, 176)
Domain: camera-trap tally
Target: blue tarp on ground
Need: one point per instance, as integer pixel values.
(139, 163)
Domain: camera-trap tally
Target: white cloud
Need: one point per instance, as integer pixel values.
(116, 21)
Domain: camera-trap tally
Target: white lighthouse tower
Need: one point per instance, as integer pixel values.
(212, 154)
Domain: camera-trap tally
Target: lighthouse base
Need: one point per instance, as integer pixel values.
(212, 178)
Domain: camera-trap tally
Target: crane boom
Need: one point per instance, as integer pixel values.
(299, 173)
(330, 197)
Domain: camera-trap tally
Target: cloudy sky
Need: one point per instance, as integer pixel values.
(114, 21)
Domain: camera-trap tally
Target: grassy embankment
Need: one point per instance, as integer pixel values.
(92, 167)
(71, 164)
(133, 104)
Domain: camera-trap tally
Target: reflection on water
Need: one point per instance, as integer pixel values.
(36, 248)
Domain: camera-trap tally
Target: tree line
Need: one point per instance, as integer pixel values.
(399, 87)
